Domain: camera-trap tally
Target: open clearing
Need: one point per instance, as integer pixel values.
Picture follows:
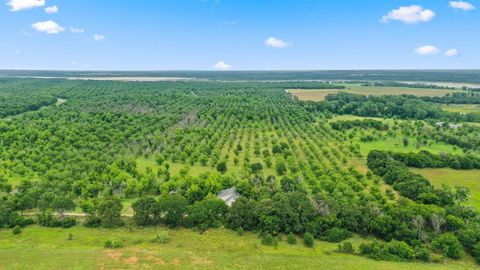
(214, 249)
(466, 178)
(462, 108)
(320, 94)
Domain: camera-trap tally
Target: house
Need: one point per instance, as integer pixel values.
(229, 196)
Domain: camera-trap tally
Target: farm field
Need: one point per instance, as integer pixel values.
(320, 94)
(450, 177)
(215, 249)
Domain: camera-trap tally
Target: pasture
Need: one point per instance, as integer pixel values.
(46, 248)
(466, 178)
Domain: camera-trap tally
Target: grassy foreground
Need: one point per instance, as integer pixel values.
(48, 248)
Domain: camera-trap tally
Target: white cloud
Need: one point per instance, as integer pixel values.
(451, 53)
(427, 50)
(222, 66)
(98, 37)
(49, 27)
(76, 30)
(409, 14)
(461, 5)
(275, 43)
(51, 10)
(17, 5)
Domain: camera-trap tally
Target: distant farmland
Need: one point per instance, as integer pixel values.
(320, 94)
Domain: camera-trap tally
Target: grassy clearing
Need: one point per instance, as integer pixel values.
(320, 94)
(215, 249)
(465, 178)
(395, 144)
(462, 108)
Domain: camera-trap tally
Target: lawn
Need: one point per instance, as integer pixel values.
(320, 94)
(214, 249)
(465, 178)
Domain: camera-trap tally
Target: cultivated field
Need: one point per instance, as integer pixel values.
(320, 94)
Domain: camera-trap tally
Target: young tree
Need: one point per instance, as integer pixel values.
(173, 209)
(147, 211)
(109, 211)
(222, 167)
(62, 204)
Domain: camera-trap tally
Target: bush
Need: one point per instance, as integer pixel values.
(449, 245)
(161, 238)
(400, 249)
(292, 239)
(336, 235)
(476, 252)
(422, 254)
(308, 239)
(269, 240)
(17, 229)
(47, 219)
(113, 244)
(391, 251)
(346, 248)
(92, 221)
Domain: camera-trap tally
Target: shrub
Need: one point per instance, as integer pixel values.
(476, 252)
(161, 238)
(269, 240)
(449, 245)
(422, 254)
(17, 229)
(292, 239)
(391, 251)
(92, 221)
(346, 248)
(400, 249)
(336, 235)
(114, 244)
(308, 239)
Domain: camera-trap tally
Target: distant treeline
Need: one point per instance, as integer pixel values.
(364, 124)
(404, 107)
(411, 85)
(455, 98)
(425, 159)
(463, 76)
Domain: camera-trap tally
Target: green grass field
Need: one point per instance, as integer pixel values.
(320, 94)
(465, 178)
(396, 144)
(47, 248)
(462, 108)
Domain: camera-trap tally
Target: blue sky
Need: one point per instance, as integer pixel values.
(239, 34)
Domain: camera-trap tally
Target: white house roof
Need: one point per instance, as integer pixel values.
(229, 196)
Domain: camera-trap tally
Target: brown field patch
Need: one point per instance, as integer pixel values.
(114, 255)
(131, 261)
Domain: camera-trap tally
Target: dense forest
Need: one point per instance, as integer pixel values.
(293, 168)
